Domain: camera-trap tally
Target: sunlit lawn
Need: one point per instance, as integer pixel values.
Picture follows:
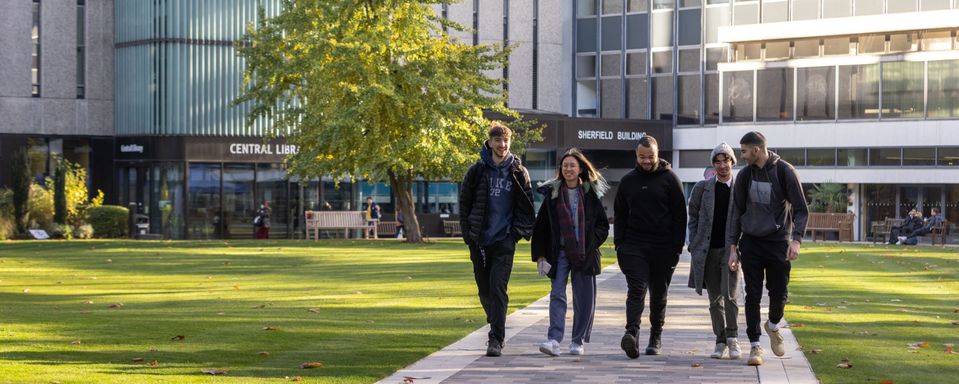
(362, 309)
(869, 303)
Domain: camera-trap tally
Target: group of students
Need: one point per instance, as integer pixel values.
(747, 226)
(914, 226)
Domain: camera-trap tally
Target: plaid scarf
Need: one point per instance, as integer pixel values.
(575, 250)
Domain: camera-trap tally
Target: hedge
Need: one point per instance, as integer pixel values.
(109, 221)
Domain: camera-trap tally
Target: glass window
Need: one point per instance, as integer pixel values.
(777, 50)
(662, 98)
(902, 89)
(714, 56)
(205, 216)
(690, 3)
(695, 158)
(612, 7)
(636, 63)
(859, 91)
(35, 38)
(586, 8)
(903, 42)
(689, 97)
(638, 98)
(711, 98)
(872, 44)
(816, 93)
(747, 13)
(170, 201)
(937, 41)
(943, 88)
(81, 49)
(442, 197)
(612, 33)
(775, 11)
(851, 157)
(836, 8)
(271, 185)
(239, 205)
(637, 31)
(611, 65)
(796, 157)
(748, 51)
(716, 17)
(612, 103)
(774, 101)
(837, 46)
(690, 26)
(896, 6)
(689, 60)
(919, 156)
(664, 4)
(806, 48)
(637, 6)
(737, 96)
(934, 5)
(586, 35)
(585, 67)
(949, 156)
(805, 10)
(884, 156)
(868, 7)
(711, 2)
(663, 62)
(821, 157)
(663, 29)
(340, 197)
(587, 98)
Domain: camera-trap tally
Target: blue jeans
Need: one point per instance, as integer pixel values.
(584, 302)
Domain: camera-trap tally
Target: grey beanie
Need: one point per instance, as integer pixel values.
(724, 149)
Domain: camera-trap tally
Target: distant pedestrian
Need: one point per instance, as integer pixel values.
(399, 224)
(372, 214)
(570, 227)
(262, 220)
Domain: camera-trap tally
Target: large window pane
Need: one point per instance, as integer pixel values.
(663, 98)
(775, 11)
(949, 156)
(944, 88)
(586, 7)
(896, 6)
(902, 89)
(805, 9)
(746, 13)
(585, 67)
(774, 94)
(612, 7)
(690, 26)
(612, 33)
(919, 156)
(612, 102)
(714, 56)
(587, 98)
(239, 206)
(690, 3)
(868, 7)
(884, 156)
(340, 197)
(637, 6)
(637, 31)
(586, 35)
(737, 96)
(689, 98)
(821, 157)
(663, 62)
(716, 17)
(859, 91)
(934, 5)
(205, 215)
(711, 98)
(794, 156)
(695, 159)
(271, 186)
(816, 93)
(851, 157)
(170, 201)
(638, 99)
(836, 8)
(662, 29)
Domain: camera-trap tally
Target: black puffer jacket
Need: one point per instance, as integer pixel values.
(473, 199)
(650, 210)
(546, 233)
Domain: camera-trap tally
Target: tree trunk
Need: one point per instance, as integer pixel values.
(402, 186)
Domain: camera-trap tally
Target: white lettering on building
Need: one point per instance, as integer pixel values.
(130, 148)
(608, 135)
(262, 149)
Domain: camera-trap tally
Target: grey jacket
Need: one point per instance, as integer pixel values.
(700, 223)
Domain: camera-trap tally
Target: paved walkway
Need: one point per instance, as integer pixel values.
(687, 342)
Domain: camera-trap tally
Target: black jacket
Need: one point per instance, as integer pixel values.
(768, 201)
(650, 211)
(473, 199)
(546, 233)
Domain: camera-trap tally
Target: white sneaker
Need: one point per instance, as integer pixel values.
(550, 347)
(576, 349)
(719, 351)
(733, 346)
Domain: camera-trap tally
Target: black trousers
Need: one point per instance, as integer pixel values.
(652, 270)
(492, 266)
(764, 259)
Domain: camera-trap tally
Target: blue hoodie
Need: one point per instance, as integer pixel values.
(499, 212)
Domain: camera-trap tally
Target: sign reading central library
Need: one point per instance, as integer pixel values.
(262, 149)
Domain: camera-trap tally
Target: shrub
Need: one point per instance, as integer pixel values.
(7, 227)
(109, 220)
(62, 231)
(22, 188)
(40, 212)
(84, 231)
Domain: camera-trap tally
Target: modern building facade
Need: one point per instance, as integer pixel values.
(864, 93)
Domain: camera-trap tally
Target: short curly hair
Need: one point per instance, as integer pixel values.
(498, 129)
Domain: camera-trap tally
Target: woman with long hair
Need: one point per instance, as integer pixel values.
(570, 228)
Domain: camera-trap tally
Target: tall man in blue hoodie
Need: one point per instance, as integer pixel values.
(649, 234)
(765, 230)
(496, 210)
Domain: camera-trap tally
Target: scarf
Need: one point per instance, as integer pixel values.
(575, 249)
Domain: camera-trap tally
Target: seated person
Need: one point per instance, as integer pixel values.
(912, 238)
(913, 222)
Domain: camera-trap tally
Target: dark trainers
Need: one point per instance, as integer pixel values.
(654, 344)
(494, 348)
(630, 345)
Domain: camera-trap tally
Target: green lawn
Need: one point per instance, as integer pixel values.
(868, 304)
(362, 309)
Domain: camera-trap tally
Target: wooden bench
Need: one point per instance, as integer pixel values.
(938, 233)
(881, 229)
(345, 220)
(387, 228)
(830, 222)
(452, 228)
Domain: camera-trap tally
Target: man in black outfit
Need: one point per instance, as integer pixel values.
(649, 233)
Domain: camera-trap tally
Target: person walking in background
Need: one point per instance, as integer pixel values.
(496, 210)
(372, 214)
(649, 233)
(262, 220)
(709, 207)
(570, 227)
(767, 225)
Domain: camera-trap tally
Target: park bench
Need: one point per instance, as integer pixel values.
(345, 220)
(938, 233)
(452, 228)
(881, 229)
(387, 228)
(841, 223)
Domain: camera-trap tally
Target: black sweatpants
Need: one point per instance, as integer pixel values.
(764, 259)
(492, 266)
(652, 270)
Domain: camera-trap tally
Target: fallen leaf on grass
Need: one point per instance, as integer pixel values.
(26, 290)
(696, 365)
(109, 260)
(214, 371)
(264, 353)
(885, 381)
(154, 350)
(311, 365)
(295, 378)
(75, 342)
(178, 338)
(895, 300)
(949, 349)
(153, 363)
(137, 359)
(816, 350)
(796, 325)
(844, 364)
(116, 305)
(88, 302)
(236, 287)
(271, 328)
(260, 306)
(313, 310)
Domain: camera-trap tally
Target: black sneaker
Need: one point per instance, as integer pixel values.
(494, 348)
(630, 345)
(654, 345)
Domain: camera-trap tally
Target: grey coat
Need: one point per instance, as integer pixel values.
(701, 206)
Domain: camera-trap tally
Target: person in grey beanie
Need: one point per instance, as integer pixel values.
(709, 208)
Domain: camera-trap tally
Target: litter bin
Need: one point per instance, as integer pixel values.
(142, 223)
